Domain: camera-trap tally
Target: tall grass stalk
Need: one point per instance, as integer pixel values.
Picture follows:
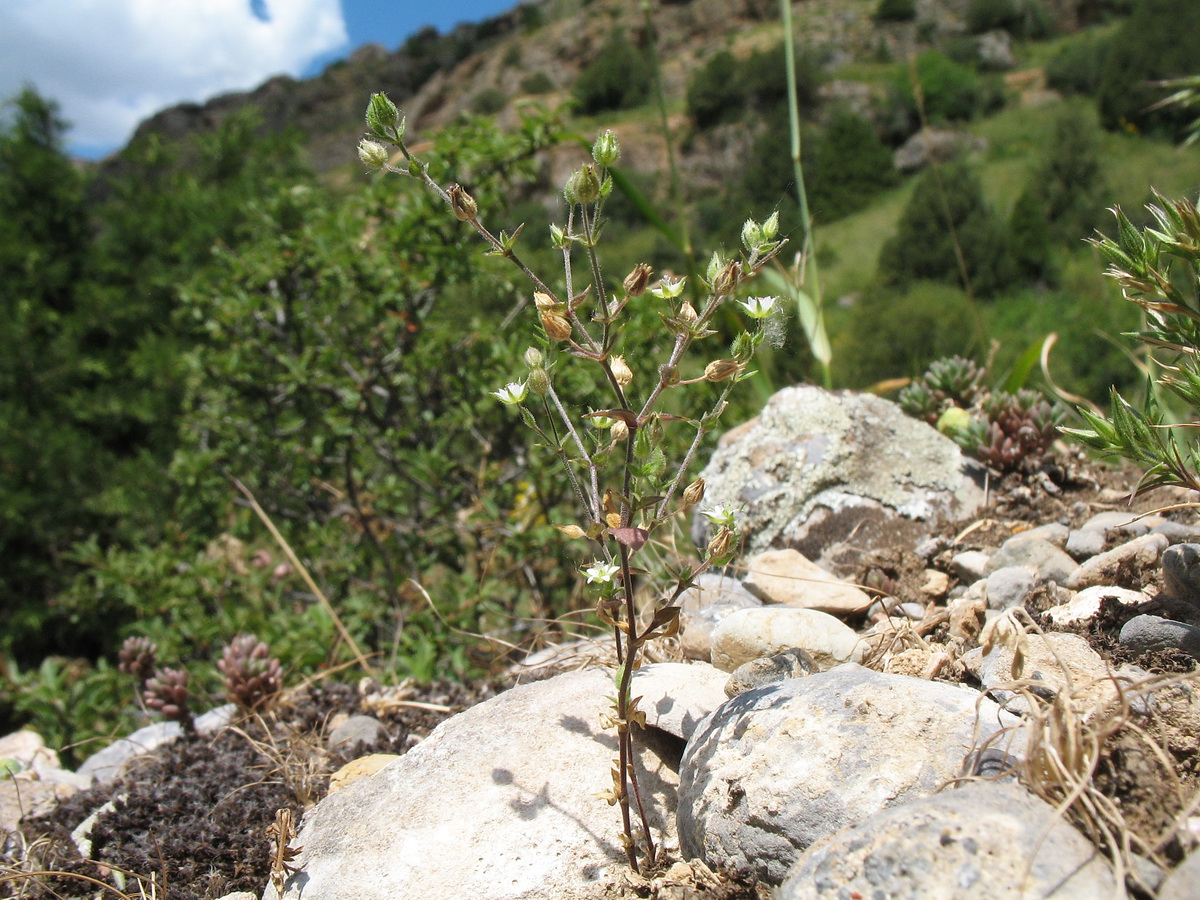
(809, 304)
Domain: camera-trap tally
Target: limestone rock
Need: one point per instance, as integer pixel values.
(794, 663)
(1085, 605)
(777, 768)
(363, 767)
(1043, 658)
(835, 475)
(1107, 568)
(497, 803)
(1181, 572)
(974, 841)
(677, 696)
(787, 577)
(352, 731)
(704, 606)
(931, 145)
(1036, 553)
(1145, 632)
(754, 633)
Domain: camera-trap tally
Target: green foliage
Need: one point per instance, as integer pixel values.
(951, 92)
(715, 93)
(489, 101)
(727, 89)
(1148, 48)
(1078, 66)
(849, 166)
(895, 11)
(619, 77)
(1064, 200)
(1157, 268)
(894, 332)
(846, 165)
(537, 83)
(945, 217)
(986, 15)
(1029, 19)
(92, 378)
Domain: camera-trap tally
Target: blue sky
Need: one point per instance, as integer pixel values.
(111, 63)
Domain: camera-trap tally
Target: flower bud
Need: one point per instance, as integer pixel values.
(636, 281)
(694, 492)
(464, 205)
(726, 281)
(720, 369)
(539, 381)
(752, 234)
(533, 357)
(721, 544)
(687, 314)
(606, 151)
(383, 118)
(619, 431)
(372, 153)
(621, 371)
(558, 328)
(583, 186)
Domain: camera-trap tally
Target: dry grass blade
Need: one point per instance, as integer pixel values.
(304, 573)
(281, 832)
(1100, 752)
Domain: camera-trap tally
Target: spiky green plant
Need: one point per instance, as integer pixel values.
(1158, 268)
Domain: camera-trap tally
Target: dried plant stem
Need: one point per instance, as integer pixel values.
(304, 574)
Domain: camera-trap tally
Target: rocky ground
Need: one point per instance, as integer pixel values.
(194, 814)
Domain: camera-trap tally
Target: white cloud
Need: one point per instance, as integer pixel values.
(112, 63)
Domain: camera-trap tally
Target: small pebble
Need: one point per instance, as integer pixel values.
(1143, 633)
(1181, 572)
(1008, 587)
(1107, 568)
(969, 565)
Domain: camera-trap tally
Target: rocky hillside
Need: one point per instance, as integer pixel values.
(536, 51)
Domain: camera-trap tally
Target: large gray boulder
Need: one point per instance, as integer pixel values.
(498, 803)
(778, 768)
(836, 474)
(985, 840)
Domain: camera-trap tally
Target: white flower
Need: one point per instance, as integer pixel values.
(721, 516)
(601, 572)
(758, 307)
(668, 288)
(511, 394)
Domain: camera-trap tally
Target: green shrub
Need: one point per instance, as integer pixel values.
(951, 91)
(489, 101)
(947, 215)
(895, 11)
(537, 83)
(1078, 66)
(1149, 48)
(896, 332)
(619, 77)
(987, 15)
(716, 93)
(1158, 269)
(849, 166)
(1029, 19)
(726, 89)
